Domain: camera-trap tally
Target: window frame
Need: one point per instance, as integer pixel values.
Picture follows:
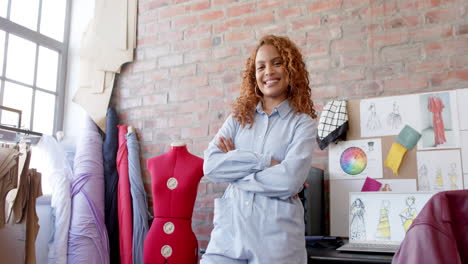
(40, 40)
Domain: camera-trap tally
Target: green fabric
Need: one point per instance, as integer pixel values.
(408, 137)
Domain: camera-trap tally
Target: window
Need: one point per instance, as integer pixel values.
(33, 59)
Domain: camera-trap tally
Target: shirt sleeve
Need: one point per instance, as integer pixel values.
(287, 178)
(220, 167)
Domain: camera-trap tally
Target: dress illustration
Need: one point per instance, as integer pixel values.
(423, 180)
(394, 118)
(436, 106)
(358, 227)
(439, 180)
(453, 176)
(409, 213)
(373, 123)
(383, 227)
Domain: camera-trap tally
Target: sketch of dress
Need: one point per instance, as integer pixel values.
(383, 227)
(373, 123)
(423, 180)
(358, 227)
(407, 216)
(394, 118)
(453, 176)
(436, 106)
(439, 180)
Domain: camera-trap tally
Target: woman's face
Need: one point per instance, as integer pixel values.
(270, 74)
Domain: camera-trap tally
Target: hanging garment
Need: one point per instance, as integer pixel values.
(32, 221)
(111, 179)
(124, 200)
(88, 241)
(8, 176)
(139, 200)
(51, 160)
(436, 106)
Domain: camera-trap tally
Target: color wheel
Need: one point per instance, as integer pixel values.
(353, 160)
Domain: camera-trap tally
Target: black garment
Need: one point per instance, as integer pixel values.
(111, 178)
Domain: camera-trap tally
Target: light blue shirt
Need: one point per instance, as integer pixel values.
(267, 225)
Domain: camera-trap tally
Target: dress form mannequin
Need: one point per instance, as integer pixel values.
(174, 182)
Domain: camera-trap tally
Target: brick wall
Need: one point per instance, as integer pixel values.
(190, 55)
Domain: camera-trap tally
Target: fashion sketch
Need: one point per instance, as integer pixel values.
(373, 123)
(383, 227)
(423, 180)
(453, 176)
(439, 180)
(436, 106)
(394, 120)
(358, 227)
(409, 213)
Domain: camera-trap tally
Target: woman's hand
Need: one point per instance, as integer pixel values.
(225, 144)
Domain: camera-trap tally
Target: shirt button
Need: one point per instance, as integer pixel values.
(169, 228)
(172, 183)
(166, 251)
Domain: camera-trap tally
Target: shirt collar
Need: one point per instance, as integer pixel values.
(283, 108)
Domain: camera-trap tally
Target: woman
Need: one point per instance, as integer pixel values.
(264, 151)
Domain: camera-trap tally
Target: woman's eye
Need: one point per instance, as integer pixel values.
(260, 67)
(278, 63)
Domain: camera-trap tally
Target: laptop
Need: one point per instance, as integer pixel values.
(378, 221)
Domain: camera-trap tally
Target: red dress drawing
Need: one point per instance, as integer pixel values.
(436, 106)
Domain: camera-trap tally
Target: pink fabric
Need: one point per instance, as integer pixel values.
(124, 199)
(371, 185)
(439, 234)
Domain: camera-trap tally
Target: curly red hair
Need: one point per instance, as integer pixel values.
(299, 93)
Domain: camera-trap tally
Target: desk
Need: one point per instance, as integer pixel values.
(330, 255)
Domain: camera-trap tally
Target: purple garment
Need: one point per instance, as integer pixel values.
(88, 241)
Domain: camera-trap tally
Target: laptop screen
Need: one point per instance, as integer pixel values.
(383, 216)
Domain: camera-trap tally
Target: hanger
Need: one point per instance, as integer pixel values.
(13, 134)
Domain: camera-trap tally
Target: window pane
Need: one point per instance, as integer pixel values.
(47, 69)
(24, 12)
(3, 8)
(44, 110)
(53, 18)
(20, 59)
(2, 50)
(18, 97)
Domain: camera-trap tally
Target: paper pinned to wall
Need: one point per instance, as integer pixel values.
(388, 115)
(439, 120)
(462, 99)
(439, 170)
(464, 151)
(355, 159)
(339, 200)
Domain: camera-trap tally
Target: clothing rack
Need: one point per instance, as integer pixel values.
(10, 133)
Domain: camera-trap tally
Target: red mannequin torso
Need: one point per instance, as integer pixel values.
(174, 182)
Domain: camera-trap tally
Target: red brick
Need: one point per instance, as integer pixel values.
(141, 66)
(197, 32)
(290, 12)
(388, 39)
(191, 107)
(447, 47)
(380, 9)
(184, 21)
(211, 16)
(200, 5)
(155, 99)
(154, 28)
(240, 10)
(319, 64)
(205, 43)
(170, 61)
(180, 121)
(181, 46)
(427, 66)
(197, 56)
(319, 92)
(428, 33)
(402, 22)
(209, 92)
(200, 145)
(201, 188)
(186, 70)
(323, 6)
(214, 128)
(157, 51)
(147, 41)
(156, 122)
(317, 79)
(239, 35)
(130, 103)
(459, 61)
(462, 29)
(356, 59)
(224, 52)
(153, 148)
(259, 19)
(414, 5)
(323, 34)
(222, 27)
(405, 83)
(346, 45)
(399, 53)
(450, 78)
(224, 2)
(212, 67)
(310, 21)
(441, 15)
(156, 75)
(191, 82)
(268, 4)
(353, 30)
(357, 3)
(194, 132)
(275, 29)
(363, 88)
(171, 11)
(348, 74)
(203, 230)
(320, 49)
(170, 36)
